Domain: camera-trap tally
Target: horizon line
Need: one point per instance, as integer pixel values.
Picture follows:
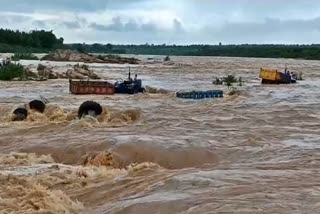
(195, 44)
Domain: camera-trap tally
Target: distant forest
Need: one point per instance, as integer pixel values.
(39, 41)
(34, 41)
(311, 52)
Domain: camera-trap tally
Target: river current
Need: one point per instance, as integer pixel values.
(254, 152)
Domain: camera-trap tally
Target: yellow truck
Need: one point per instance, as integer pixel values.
(273, 76)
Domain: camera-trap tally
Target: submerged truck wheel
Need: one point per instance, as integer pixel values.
(89, 108)
(37, 105)
(20, 114)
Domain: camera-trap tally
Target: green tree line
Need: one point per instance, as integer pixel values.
(311, 52)
(43, 41)
(33, 41)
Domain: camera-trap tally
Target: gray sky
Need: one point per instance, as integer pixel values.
(168, 21)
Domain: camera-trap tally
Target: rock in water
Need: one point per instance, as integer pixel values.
(37, 105)
(89, 108)
(41, 67)
(29, 74)
(74, 56)
(44, 71)
(72, 74)
(84, 70)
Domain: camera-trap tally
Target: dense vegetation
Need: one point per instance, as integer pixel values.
(10, 71)
(37, 41)
(26, 56)
(34, 41)
(97, 48)
(263, 51)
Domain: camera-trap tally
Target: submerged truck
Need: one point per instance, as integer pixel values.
(103, 87)
(273, 76)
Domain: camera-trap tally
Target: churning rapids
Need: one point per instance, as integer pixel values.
(255, 152)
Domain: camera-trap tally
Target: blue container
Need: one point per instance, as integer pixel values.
(200, 94)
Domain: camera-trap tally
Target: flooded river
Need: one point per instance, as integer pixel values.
(255, 152)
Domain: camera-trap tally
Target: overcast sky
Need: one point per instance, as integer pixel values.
(168, 21)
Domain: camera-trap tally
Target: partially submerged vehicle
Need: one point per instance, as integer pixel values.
(200, 94)
(91, 87)
(129, 86)
(103, 87)
(273, 76)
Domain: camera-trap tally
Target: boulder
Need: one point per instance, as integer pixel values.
(48, 74)
(41, 67)
(89, 74)
(72, 74)
(29, 74)
(72, 56)
(119, 60)
(81, 72)
(45, 72)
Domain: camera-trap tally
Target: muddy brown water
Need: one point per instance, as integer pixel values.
(256, 152)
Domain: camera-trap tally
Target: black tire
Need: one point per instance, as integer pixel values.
(37, 105)
(89, 106)
(20, 114)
